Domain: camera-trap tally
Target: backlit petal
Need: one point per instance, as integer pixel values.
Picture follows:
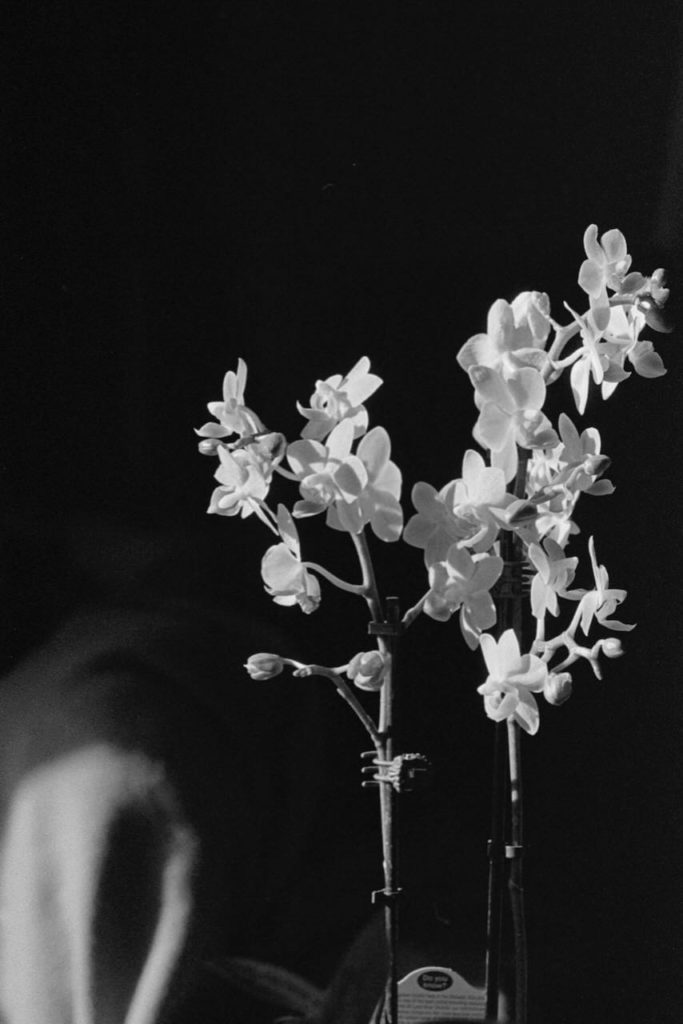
(493, 428)
(374, 450)
(591, 278)
(491, 387)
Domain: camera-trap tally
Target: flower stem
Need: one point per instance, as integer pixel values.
(370, 590)
(562, 336)
(265, 514)
(412, 613)
(344, 690)
(515, 886)
(515, 881)
(286, 473)
(351, 588)
(388, 633)
(494, 913)
(386, 629)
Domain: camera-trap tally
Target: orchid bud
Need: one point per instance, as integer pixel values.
(209, 446)
(367, 670)
(557, 687)
(611, 647)
(264, 666)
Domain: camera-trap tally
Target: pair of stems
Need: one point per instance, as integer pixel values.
(386, 625)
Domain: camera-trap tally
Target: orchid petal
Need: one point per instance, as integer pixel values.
(591, 244)
(478, 350)
(489, 649)
(386, 521)
(492, 428)
(508, 651)
(645, 361)
(500, 324)
(599, 313)
(615, 624)
(460, 561)
(340, 440)
(359, 390)
(213, 430)
(374, 450)
(476, 614)
(350, 477)
(579, 377)
(600, 488)
(472, 466)
(491, 387)
(506, 458)
(390, 479)
(288, 531)
(527, 388)
(303, 455)
(614, 244)
(487, 572)
(526, 713)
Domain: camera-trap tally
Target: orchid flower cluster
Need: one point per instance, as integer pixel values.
(524, 483)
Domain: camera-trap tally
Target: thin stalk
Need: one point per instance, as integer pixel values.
(412, 613)
(370, 591)
(389, 818)
(265, 514)
(350, 588)
(494, 914)
(515, 886)
(562, 336)
(344, 690)
(515, 881)
(386, 629)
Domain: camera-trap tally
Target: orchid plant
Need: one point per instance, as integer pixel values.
(501, 536)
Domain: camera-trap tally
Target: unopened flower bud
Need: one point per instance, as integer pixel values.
(557, 687)
(611, 647)
(209, 446)
(264, 666)
(367, 670)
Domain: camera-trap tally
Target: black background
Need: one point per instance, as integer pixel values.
(302, 185)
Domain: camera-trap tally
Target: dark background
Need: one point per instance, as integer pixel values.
(300, 185)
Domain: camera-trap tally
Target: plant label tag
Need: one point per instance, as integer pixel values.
(438, 993)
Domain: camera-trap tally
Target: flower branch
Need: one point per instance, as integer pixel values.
(306, 671)
(350, 588)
